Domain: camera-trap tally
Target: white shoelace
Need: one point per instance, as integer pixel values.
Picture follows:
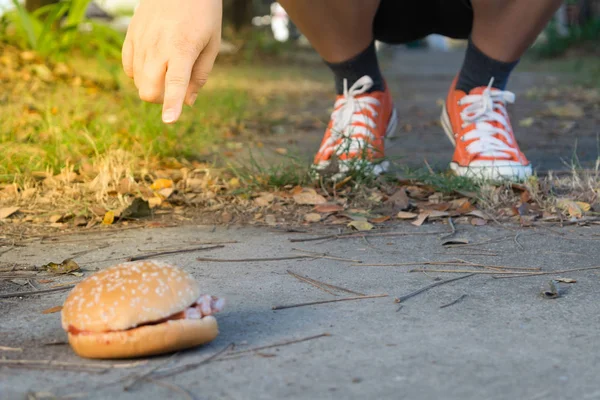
(346, 116)
(482, 110)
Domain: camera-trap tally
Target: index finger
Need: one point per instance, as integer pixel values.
(177, 79)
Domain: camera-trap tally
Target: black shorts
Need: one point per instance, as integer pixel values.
(404, 21)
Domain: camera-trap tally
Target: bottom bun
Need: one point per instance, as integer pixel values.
(146, 340)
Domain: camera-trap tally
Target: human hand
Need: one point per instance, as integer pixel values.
(170, 49)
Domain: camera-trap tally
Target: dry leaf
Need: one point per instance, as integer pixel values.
(264, 200)
(281, 150)
(139, 208)
(361, 225)
(455, 241)
(309, 196)
(80, 221)
(478, 221)
(226, 217)
(154, 202)
(573, 208)
(566, 280)
(379, 220)
(478, 214)
(526, 122)
(569, 110)
(55, 218)
(270, 220)
(328, 207)
(7, 212)
(421, 219)
(406, 215)
(166, 193)
(437, 214)
(234, 183)
(161, 184)
(109, 218)
(399, 200)
(65, 267)
(52, 310)
(312, 217)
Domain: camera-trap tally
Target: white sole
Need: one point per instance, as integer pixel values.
(496, 171)
(376, 169)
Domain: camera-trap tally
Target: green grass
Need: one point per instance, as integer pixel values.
(585, 69)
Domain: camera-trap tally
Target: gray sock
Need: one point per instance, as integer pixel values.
(478, 69)
(364, 63)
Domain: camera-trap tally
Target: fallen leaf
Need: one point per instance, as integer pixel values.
(478, 221)
(264, 199)
(309, 196)
(109, 218)
(406, 215)
(573, 208)
(361, 225)
(65, 267)
(281, 150)
(52, 310)
(7, 212)
(328, 207)
(566, 280)
(569, 110)
(379, 220)
(166, 193)
(80, 221)
(154, 202)
(455, 241)
(55, 218)
(421, 219)
(234, 183)
(270, 220)
(553, 290)
(526, 122)
(399, 200)
(437, 214)
(161, 184)
(478, 214)
(312, 217)
(226, 217)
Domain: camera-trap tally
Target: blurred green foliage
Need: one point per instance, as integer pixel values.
(587, 34)
(55, 30)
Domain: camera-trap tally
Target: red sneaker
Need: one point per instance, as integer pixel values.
(479, 127)
(356, 133)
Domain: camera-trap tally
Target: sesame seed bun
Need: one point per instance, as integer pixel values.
(146, 340)
(127, 311)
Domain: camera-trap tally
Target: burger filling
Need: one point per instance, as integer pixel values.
(206, 305)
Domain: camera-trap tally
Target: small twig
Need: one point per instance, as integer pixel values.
(334, 287)
(34, 292)
(452, 226)
(164, 253)
(81, 253)
(328, 257)
(516, 240)
(456, 263)
(279, 344)
(188, 367)
(5, 348)
(426, 288)
(358, 235)
(75, 366)
(454, 302)
(466, 271)
(488, 241)
(328, 301)
(315, 284)
(136, 378)
(564, 271)
(251, 259)
(171, 386)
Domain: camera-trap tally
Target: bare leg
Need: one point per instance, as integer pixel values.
(337, 29)
(504, 29)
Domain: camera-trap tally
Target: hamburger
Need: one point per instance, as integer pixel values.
(137, 309)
